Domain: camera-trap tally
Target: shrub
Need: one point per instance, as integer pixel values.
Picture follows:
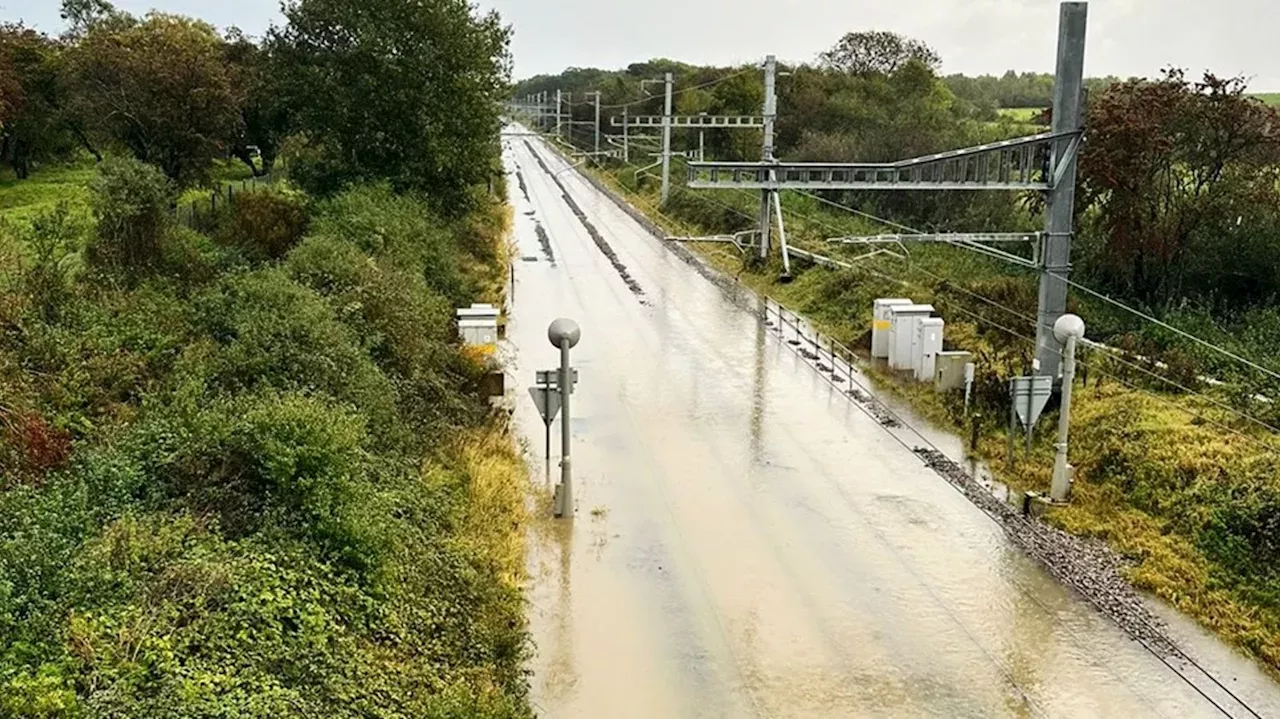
(404, 325)
(41, 532)
(265, 224)
(39, 447)
(108, 349)
(131, 202)
(272, 333)
(401, 229)
(53, 238)
(192, 258)
(267, 462)
(399, 318)
(315, 168)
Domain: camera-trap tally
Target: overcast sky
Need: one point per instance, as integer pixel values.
(1126, 37)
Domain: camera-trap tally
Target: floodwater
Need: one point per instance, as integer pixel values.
(748, 543)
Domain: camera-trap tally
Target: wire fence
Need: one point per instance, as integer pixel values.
(201, 213)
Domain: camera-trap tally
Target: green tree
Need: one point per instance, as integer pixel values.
(263, 120)
(81, 15)
(11, 94)
(407, 91)
(878, 51)
(33, 124)
(158, 87)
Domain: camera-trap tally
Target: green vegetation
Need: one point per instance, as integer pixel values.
(378, 117)
(247, 471)
(1178, 191)
(239, 486)
(1021, 114)
(20, 200)
(1270, 98)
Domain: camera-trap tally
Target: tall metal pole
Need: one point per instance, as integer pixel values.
(597, 123)
(566, 389)
(1061, 475)
(626, 151)
(666, 142)
(564, 333)
(1068, 330)
(559, 120)
(770, 114)
(1068, 92)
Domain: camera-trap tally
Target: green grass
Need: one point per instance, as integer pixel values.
(224, 172)
(1271, 98)
(22, 199)
(1021, 114)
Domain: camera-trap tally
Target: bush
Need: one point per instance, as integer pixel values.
(191, 258)
(399, 318)
(41, 532)
(108, 349)
(131, 202)
(269, 462)
(238, 492)
(265, 224)
(401, 229)
(269, 332)
(53, 239)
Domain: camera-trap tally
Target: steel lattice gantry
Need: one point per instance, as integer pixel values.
(707, 121)
(1026, 163)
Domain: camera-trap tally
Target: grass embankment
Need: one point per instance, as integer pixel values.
(1187, 490)
(250, 473)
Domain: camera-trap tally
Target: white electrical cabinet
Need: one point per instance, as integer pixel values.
(902, 333)
(880, 325)
(928, 343)
(478, 325)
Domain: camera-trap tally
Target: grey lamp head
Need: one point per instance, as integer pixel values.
(564, 329)
(1068, 326)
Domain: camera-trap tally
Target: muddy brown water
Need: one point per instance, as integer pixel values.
(748, 543)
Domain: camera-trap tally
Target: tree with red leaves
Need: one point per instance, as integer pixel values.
(1179, 178)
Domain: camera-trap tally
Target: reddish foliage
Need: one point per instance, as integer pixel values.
(1171, 165)
(40, 446)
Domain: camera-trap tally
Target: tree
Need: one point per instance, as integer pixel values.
(263, 120)
(81, 15)
(158, 87)
(878, 52)
(33, 124)
(12, 96)
(1179, 174)
(407, 91)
